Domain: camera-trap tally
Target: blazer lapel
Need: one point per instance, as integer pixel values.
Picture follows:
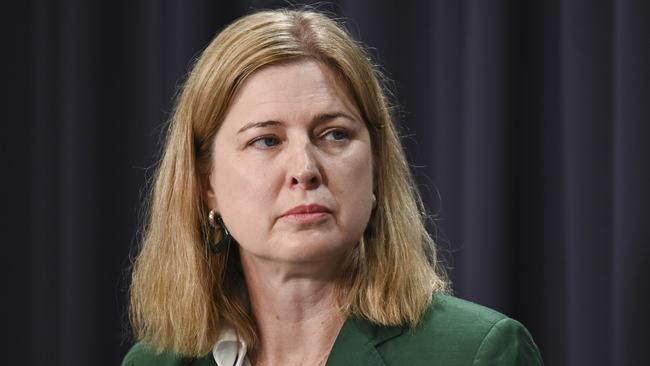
(357, 341)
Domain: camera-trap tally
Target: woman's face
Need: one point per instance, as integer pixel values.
(292, 166)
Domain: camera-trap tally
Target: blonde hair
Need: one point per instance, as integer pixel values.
(181, 294)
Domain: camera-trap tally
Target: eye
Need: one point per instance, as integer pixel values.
(336, 135)
(265, 142)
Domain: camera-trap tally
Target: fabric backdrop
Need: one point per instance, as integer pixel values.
(526, 122)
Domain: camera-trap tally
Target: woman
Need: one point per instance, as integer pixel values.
(284, 225)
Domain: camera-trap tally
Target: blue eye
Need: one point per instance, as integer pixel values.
(266, 142)
(336, 135)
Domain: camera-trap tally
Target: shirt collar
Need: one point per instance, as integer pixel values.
(229, 349)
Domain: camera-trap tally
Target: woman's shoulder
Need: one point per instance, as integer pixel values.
(456, 331)
(143, 355)
(447, 311)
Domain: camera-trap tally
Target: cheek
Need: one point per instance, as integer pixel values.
(352, 182)
(245, 192)
(357, 169)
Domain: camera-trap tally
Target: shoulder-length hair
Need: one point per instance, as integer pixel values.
(181, 294)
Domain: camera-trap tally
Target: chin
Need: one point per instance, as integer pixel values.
(309, 251)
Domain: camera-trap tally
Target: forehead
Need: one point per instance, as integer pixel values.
(290, 90)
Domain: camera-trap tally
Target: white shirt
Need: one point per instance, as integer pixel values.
(229, 350)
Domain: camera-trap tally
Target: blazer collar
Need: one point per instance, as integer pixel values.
(357, 341)
(355, 345)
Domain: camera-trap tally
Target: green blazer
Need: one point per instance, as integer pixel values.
(453, 332)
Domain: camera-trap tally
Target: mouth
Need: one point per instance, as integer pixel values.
(307, 213)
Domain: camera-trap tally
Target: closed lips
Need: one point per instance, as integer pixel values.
(307, 209)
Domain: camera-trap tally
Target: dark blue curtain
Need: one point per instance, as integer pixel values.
(527, 124)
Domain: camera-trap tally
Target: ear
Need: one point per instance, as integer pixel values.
(208, 193)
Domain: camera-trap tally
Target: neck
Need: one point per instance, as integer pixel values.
(296, 310)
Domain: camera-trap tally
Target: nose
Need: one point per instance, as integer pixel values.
(305, 171)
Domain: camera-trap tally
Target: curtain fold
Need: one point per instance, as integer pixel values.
(587, 110)
(630, 180)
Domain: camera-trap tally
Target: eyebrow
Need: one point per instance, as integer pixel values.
(248, 126)
(317, 120)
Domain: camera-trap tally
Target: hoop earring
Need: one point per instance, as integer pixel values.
(226, 239)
